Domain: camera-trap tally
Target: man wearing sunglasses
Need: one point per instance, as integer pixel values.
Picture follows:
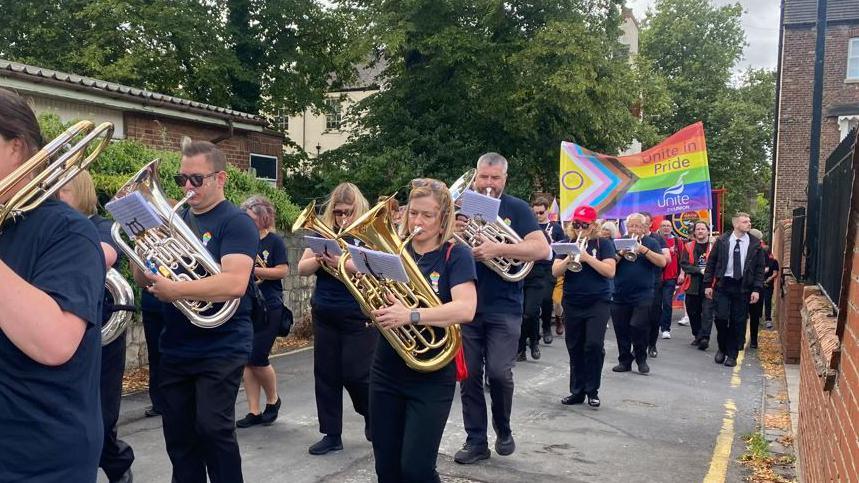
(201, 368)
(492, 338)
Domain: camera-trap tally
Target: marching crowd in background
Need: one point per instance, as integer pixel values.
(53, 261)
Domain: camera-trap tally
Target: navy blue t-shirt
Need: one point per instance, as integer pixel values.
(662, 243)
(103, 226)
(494, 294)
(588, 285)
(225, 230)
(272, 250)
(633, 281)
(333, 295)
(50, 417)
(554, 234)
(442, 275)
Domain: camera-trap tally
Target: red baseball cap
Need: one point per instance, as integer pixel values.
(585, 214)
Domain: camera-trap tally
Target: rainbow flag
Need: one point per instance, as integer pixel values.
(671, 177)
(554, 211)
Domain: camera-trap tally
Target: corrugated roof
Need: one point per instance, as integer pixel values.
(805, 11)
(40, 74)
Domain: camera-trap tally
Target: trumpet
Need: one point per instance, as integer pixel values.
(575, 265)
(632, 254)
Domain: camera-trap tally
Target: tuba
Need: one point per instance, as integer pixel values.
(308, 220)
(422, 347)
(171, 249)
(509, 269)
(123, 305)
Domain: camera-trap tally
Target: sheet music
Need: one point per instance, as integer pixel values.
(475, 204)
(321, 245)
(625, 244)
(566, 248)
(379, 264)
(134, 214)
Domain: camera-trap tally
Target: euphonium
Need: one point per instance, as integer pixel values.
(123, 302)
(172, 249)
(509, 269)
(308, 220)
(424, 348)
(575, 264)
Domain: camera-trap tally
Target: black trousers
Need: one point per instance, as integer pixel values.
(732, 309)
(631, 328)
(116, 455)
(408, 419)
(767, 295)
(489, 341)
(153, 324)
(585, 337)
(342, 354)
(700, 311)
(654, 315)
(538, 288)
(755, 312)
(200, 418)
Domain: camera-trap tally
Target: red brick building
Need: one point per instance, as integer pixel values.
(157, 120)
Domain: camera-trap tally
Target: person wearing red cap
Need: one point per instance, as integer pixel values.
(587, 296)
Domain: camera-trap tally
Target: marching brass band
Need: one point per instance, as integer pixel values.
(478, 293)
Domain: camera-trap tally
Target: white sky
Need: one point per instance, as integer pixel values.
(760, 21)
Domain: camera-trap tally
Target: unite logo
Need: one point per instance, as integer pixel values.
(673, 198)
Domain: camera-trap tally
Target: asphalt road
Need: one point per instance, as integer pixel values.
(662, 427)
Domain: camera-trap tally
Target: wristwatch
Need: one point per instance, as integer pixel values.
(415, 317)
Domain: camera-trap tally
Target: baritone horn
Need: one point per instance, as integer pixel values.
(509, 269)
(423, 348)
(123, 306)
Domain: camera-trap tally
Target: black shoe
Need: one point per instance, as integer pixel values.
(594, 400)
(327, 444)
(730, 362)
(547, 337)
(720, 357)
(643, 368)
(250, 420)
(535, 351)
(573, 399)
(652, 353)
(621, 368)
(471, 454)
(505, 446)
(368, 433)
(152, 412)
(753, 345)
(704, 344)
(521, 357)
(695, 341)
(270, 413)
(126, 477)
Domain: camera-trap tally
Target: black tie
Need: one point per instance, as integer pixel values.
(738, 266)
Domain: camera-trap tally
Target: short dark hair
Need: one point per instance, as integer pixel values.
(17, 121)
(213, 154)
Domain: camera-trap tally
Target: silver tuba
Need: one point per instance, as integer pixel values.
(123, 301)
(171, 249)
(509, 269)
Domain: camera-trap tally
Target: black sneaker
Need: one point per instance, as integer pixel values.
(652, 353)
(730, 362)
(270, 413)
(547, 337)
(573, 399)
(327, 444)
(368, 432)
(704, 344)
(505, 446)
(520, 357)
(250, 420)
(695, 341)
(643, 368)
(152, 412)
(535, 351)
(127, 477)
(621, 368)
(471, 454)
(720, 357)
(594, 400)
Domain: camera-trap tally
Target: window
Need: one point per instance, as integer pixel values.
(281, 121)
(853, 59)
(333, 117)
(264, 167)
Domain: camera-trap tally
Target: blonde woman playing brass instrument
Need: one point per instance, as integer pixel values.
(344, 339)
(587, 296)
(52, 275)
(409, 409)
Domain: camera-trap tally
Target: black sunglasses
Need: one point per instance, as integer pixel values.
(195, 179)
(540, 212)
(580, 224)
(342, 212)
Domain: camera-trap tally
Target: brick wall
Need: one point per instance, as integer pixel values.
(795, 108)
(161, 133)
(789, 319)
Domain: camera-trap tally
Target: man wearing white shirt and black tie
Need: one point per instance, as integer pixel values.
(736, 270)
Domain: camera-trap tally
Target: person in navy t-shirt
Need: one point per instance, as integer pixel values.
(201, 368)
(52, 273)
(344, 339)
(633, 297)
(116, 455)
(587, 295)
(270, 269)
(491, 340)
(409, 409)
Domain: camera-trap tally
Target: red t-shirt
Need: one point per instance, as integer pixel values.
(672, 270)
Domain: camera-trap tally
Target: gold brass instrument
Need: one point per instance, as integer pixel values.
(509, 269)
(422, 347)
(51, 168)
(575, 265)
(259, 263)
(308, 220)
(171, 249)
(632, 255)
(123, 300)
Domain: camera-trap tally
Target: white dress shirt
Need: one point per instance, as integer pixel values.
(744, 250)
